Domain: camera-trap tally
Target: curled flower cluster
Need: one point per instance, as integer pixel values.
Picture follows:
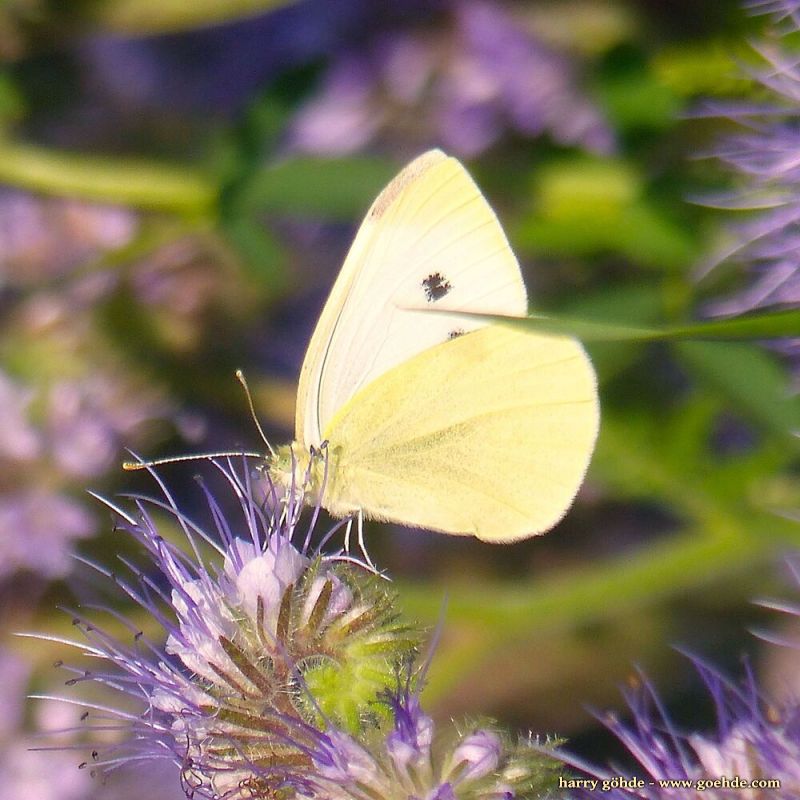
(754, 754)
(766, 154)
(285, 672)
(412, 761)
(755, 743)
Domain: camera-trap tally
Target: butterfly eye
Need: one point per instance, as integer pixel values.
(436, 286)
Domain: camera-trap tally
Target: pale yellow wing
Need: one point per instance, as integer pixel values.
(489, 434)
(429, 240)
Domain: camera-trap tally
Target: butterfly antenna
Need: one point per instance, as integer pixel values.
(132, 466)
(240, 377)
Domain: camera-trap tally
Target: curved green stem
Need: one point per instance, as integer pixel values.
(721, 537)
(577, 597)
(162, 16)
(588, 594)
(139, 183)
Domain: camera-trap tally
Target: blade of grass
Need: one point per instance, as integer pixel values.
(766, 325)
(163, 16)
(132, 182)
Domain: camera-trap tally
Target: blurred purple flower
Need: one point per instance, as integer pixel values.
(15, 673)
(513, 81)
(25, 773)
(79, 430)
(29, 770)
(217, 69)
(75, 403)
(87, 421)
(462, 88)
(19, 440)
(37, 530)
(30, 774)
(43, 238)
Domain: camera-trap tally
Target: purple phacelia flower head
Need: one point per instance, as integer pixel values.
(268, 645)
(415, 760)
(284, 673)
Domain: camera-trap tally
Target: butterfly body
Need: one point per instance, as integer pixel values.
(438, 420)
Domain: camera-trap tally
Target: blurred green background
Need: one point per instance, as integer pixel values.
(179, 186)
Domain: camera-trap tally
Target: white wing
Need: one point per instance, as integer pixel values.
(430, 239)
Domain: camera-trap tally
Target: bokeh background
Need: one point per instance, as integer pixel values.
(180, 183)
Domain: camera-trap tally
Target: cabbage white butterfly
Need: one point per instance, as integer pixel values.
(435, 420)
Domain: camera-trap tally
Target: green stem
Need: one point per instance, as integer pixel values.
(161, 16)
(142, 184)
(583, 595)
(568, 600)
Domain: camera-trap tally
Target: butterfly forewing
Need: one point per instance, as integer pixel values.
(430, 240)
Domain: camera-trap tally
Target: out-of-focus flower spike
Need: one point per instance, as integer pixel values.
(780, 10)
(483, 74)
(766, 154)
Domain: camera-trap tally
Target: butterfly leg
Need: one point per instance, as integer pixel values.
(361, 545)
(347, 534)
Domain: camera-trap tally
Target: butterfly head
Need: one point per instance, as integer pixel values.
(300, 470)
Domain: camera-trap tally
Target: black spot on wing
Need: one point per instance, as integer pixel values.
(436, 286)
(454, 334)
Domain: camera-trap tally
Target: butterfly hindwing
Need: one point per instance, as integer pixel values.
(489, 434)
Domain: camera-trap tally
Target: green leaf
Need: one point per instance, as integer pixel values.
(334, 188)
(766, 325)
(750, 378)
(637, 303)
(585, 206)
